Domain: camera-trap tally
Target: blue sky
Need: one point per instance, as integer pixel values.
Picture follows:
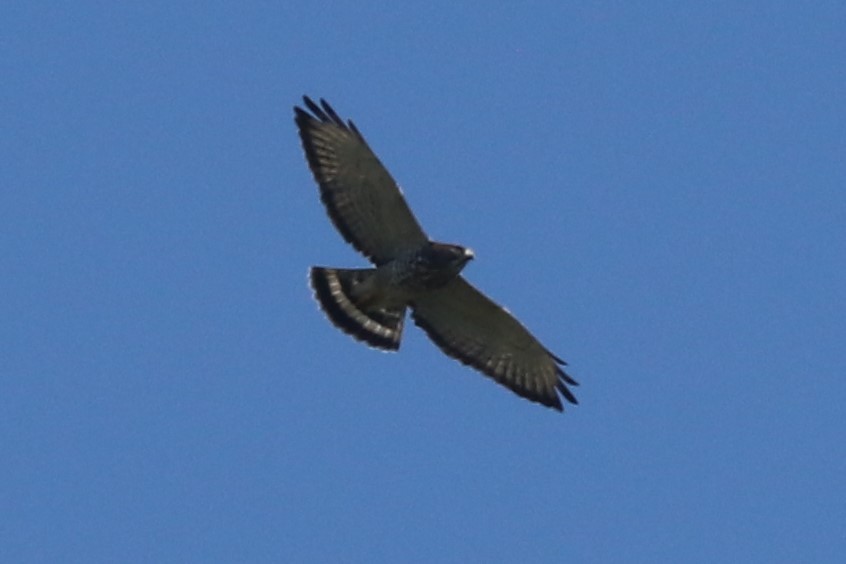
(656, 190)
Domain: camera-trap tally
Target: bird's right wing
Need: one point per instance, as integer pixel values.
(362, 199)
(470, 327)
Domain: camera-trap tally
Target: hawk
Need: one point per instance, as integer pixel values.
(410, 271)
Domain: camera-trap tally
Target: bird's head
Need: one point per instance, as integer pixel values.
(440, 262)
(446, 256)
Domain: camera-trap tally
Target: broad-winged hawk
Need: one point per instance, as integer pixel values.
(411, 271)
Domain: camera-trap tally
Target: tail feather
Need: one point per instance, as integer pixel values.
(378, 327)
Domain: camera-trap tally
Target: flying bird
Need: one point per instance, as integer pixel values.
(410, 271)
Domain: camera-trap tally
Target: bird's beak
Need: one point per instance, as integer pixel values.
(468, 254)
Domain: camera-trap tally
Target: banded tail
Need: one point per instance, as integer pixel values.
(339, 291)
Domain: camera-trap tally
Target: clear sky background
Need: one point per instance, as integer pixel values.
(657, 191)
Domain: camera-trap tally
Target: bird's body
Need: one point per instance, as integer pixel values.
(410, 271)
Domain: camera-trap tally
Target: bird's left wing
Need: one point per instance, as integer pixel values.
(362, 199)
(470, 327)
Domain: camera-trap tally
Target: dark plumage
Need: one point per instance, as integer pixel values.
(367, 207)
